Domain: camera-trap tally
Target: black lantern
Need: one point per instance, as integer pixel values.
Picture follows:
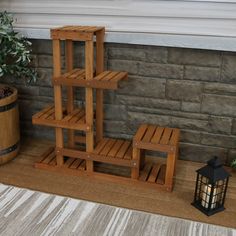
(211, 187)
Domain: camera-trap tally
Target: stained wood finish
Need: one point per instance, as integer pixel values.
(152, 175)
(155, 138)
(58, 97)
(49, 159)
(74, 120)
(89, 101)
(70, 91)
(9, 128)
(114, 148)
(103, 80)
(118, 152)
(102, 153)
(82, 33)
(99, 92)
(135, 170)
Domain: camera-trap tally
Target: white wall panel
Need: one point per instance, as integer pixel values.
(198, 24)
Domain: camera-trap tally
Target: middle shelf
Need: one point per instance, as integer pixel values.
(105, 80)
(74, 120)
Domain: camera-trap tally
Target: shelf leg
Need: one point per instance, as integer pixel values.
(135, 170)
(99, 92)
(170, 169)
(70, 91)
(89, 101)
(58, 99)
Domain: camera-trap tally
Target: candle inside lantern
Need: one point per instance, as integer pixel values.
(206, 196)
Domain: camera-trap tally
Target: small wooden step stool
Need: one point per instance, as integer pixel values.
(156, 138)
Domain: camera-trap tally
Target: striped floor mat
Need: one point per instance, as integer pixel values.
(25, 212)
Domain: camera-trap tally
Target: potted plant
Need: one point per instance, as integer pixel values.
(15, 57)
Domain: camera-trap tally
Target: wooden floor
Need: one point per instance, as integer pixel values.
(20, 172)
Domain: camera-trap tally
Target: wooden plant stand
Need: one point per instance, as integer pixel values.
(69, 158)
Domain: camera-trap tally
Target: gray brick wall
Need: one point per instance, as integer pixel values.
(194, 90)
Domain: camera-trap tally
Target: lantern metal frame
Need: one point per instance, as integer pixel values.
(211, 187)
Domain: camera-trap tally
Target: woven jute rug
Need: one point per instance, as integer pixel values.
(26, 212)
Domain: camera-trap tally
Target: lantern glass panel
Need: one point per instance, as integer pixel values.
(211, 187)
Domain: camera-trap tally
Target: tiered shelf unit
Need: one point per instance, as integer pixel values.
(73, 159)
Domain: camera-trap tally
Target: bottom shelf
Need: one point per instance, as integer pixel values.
(49, 160)
(152, 175)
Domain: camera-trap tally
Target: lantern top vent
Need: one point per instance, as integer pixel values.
(214, 170)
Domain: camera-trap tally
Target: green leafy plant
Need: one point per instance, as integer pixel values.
(233, 163)
(15, 51)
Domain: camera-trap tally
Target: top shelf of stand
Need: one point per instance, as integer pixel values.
(81, 33)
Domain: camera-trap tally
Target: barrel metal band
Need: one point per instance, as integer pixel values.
(9, 149)
(8, 106)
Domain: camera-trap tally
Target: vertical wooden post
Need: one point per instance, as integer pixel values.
(89, 101)
(99, 92)
(135, 170)
(170, 169)
(58, 98)
(70, 91)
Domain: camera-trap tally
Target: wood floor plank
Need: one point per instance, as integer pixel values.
(21, 172)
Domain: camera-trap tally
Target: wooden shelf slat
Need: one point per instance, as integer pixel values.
(45, 110)
(105, 80)
(140, 133)
(175, 137)
(157, 135)
(166, 136)
(110, 76)
(74, 120)
(107, 147)
(128, 153)
(69, 161)
(100, 145)
(76, 164)
(149, 133)
(162, 174)
(154, 173)
(115, 148)
(144, 174)
(123, 149)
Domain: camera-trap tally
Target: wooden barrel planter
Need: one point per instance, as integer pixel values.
(9, 127)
